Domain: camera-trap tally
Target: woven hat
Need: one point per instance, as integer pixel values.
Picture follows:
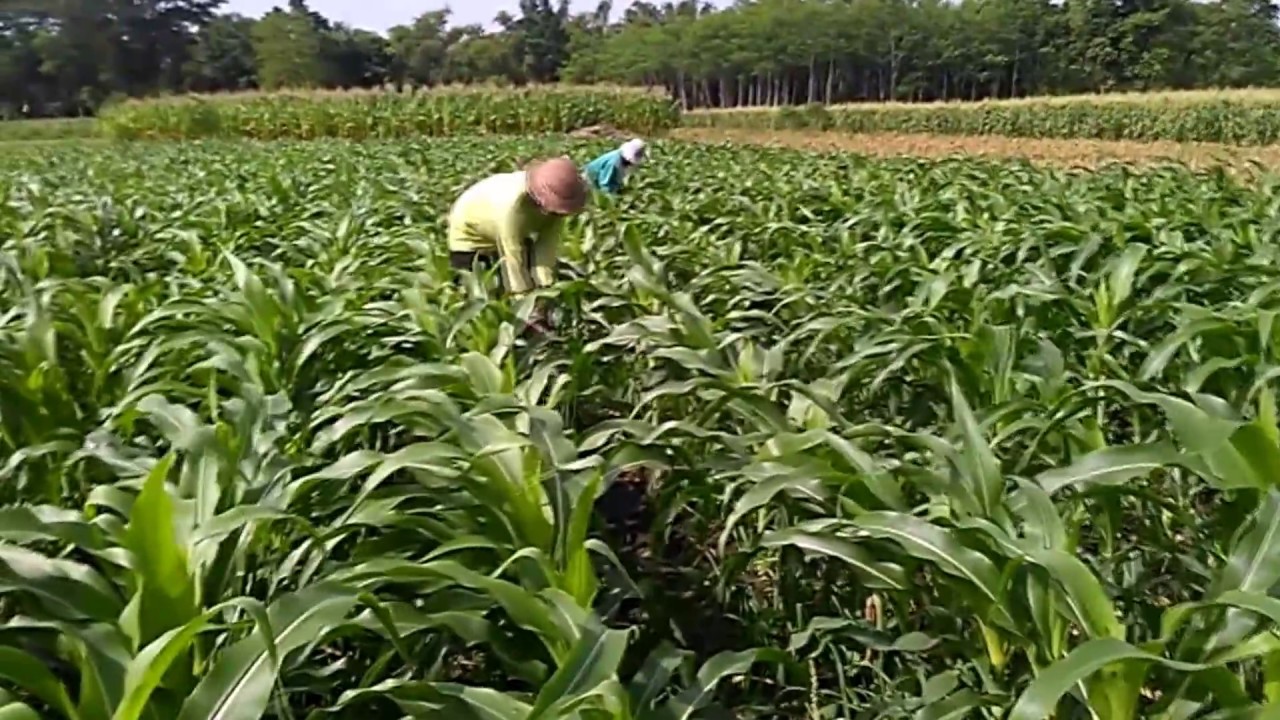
(556, 186)
(633, 151)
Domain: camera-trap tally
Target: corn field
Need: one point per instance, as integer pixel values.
(361, 115)
(1233, 118)
(47, 129)
(814, 437)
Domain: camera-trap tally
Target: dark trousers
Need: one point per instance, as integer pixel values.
(487, 261)
(472, 261)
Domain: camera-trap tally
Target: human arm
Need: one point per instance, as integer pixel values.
(511, 247)
(546, 253)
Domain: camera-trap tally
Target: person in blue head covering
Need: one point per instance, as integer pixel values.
(608, 172)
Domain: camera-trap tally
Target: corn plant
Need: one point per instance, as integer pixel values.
(361, 115)
(1233, 118)
(812, 438)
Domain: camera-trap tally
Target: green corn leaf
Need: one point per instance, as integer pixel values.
(239, 684)
(979, 470)
(875, 573)
(148, 668)
(954, 707)
(593, 661)
(1110, 466)
(1082, 594)
(579, 575)
(765, 491)
(30, 674)
(936, 545)
(653, 677)
(66, 589)
(442, 700)
(1040, 699)
(18, 711)
(24, 524)
(166, 596)
(713, 672)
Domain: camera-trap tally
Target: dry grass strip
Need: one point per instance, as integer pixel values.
(1071, 153)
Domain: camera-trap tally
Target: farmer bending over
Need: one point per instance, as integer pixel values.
(516, 219)
(609, 171)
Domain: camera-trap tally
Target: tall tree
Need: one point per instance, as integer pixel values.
(289, 51)
(1234, 44)
(152, 39)
(68, 56)
(420, 50)
(223, 56)
(542, 39)
(21, 83)
(357, 58)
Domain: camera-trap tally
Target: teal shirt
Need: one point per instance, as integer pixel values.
(606, 172)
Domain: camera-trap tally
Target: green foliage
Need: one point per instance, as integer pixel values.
(541, 39)
(222, 56)
(773, 53)
(67, 58)
(287, 47)
(1235, 118)
(48, 129)
(385, 114)
(828, 437)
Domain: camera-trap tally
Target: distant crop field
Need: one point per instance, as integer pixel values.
(885, 437)
(1073, 153)
(47, 129)
(360, 115)
(1239, 117)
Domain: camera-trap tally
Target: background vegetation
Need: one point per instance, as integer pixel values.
(1239, 118)
(1247, 117)
(362, 115)
(67, 57)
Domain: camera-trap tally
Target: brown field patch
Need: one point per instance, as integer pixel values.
(1073, 153)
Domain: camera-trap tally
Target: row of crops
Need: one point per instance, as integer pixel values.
(382, 114)
(1234, 118)
(47, 129)
(815, 438)
(1238, 117)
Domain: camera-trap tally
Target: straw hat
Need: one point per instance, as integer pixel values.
(556, 186)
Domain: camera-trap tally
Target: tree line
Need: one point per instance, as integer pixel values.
(775, 52)
(68, 57)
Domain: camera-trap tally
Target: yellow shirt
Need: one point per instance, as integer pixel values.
(495, 216)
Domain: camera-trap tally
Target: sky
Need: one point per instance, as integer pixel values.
(381, 15)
